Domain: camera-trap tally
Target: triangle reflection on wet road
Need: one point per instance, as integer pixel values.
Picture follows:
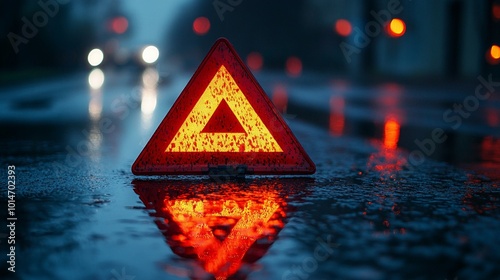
(224, 227)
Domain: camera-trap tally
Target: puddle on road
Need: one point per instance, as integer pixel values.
(219, 229)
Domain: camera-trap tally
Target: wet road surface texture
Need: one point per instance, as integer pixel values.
(371, 211)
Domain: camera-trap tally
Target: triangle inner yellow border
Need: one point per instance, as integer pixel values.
(189, 138)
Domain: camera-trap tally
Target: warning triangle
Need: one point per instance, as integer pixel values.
(223, 118)
(223, 88)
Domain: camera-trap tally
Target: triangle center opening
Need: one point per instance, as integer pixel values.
(223, 121)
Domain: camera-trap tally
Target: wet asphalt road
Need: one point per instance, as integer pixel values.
(367, 213)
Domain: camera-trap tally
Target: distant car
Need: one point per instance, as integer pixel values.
(111, 55)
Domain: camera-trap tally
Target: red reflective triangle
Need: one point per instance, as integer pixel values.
(188, 140)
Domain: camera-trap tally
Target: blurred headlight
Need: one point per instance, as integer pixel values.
(95, 57)
(150, 54)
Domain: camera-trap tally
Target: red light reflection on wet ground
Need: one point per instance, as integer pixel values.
(490, 157)
(280, 97)
(388, 160)
(224, 227)
(480, 200)
(222, 231)
(337, 119)
(391, 133)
